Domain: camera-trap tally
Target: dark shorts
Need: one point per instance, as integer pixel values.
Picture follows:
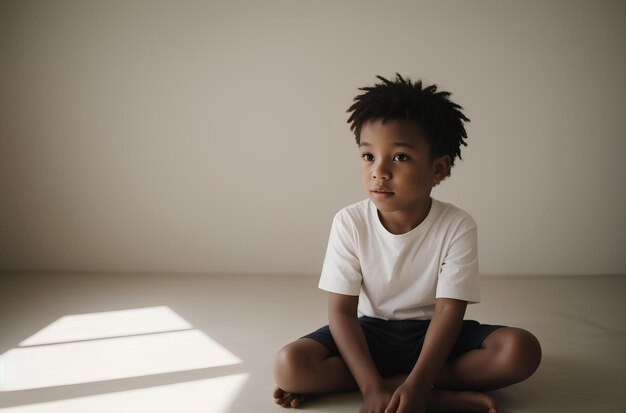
(396, 345)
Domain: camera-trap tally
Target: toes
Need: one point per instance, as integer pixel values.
(282, 397)
(286, 399)
(297, 400)
(278, 392)
(282, 400)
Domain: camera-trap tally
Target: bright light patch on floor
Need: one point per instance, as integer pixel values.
(72, 362)
(214, 395)
(105, 324)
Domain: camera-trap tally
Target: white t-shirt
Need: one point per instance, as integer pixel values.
(398, 277)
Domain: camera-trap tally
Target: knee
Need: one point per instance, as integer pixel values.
(521, 354)
(290, 365)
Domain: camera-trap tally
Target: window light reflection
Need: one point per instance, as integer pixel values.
(76, 352)
(109, 324)
(214, 395)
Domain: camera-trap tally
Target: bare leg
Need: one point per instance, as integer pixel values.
(459, 401)
(507, 356)
(440, 400)
(304, 368)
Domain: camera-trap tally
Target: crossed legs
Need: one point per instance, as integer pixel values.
(506, 356)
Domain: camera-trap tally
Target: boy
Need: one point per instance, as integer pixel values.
(400, 269)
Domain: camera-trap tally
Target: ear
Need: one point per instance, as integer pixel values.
(441, 168)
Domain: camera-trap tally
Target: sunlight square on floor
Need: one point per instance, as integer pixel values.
(107, 346)
(214, 395)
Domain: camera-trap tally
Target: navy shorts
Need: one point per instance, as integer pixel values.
(395, 345)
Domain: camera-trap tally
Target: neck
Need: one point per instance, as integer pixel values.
(403, 221)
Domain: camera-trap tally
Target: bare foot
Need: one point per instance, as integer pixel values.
(460, 401)
(287, 399)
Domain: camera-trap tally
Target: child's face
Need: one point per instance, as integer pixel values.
(396, 170)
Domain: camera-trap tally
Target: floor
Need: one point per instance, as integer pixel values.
(192, 343)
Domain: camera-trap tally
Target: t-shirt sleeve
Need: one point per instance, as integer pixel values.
(341, 272)
(458, 277)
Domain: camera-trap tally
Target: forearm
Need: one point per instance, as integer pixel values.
(350, 340)
(439, 341)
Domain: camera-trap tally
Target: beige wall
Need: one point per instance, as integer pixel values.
(198, 136)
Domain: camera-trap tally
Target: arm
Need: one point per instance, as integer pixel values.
(441, 336)
(350, 340)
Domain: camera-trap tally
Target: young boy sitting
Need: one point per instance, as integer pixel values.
(400, 269)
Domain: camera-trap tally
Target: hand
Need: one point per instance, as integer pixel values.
(376, 401)
(406, 399)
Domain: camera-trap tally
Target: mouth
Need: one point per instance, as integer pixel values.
(381, 193)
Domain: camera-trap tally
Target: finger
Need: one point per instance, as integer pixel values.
(403, 407)
(393, 404)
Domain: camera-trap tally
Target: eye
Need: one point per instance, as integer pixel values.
(401, 157)
(367, 157)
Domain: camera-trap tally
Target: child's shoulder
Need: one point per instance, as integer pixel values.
(357, 212)
(453, 216)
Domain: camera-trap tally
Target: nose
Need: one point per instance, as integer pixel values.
(381, 170)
